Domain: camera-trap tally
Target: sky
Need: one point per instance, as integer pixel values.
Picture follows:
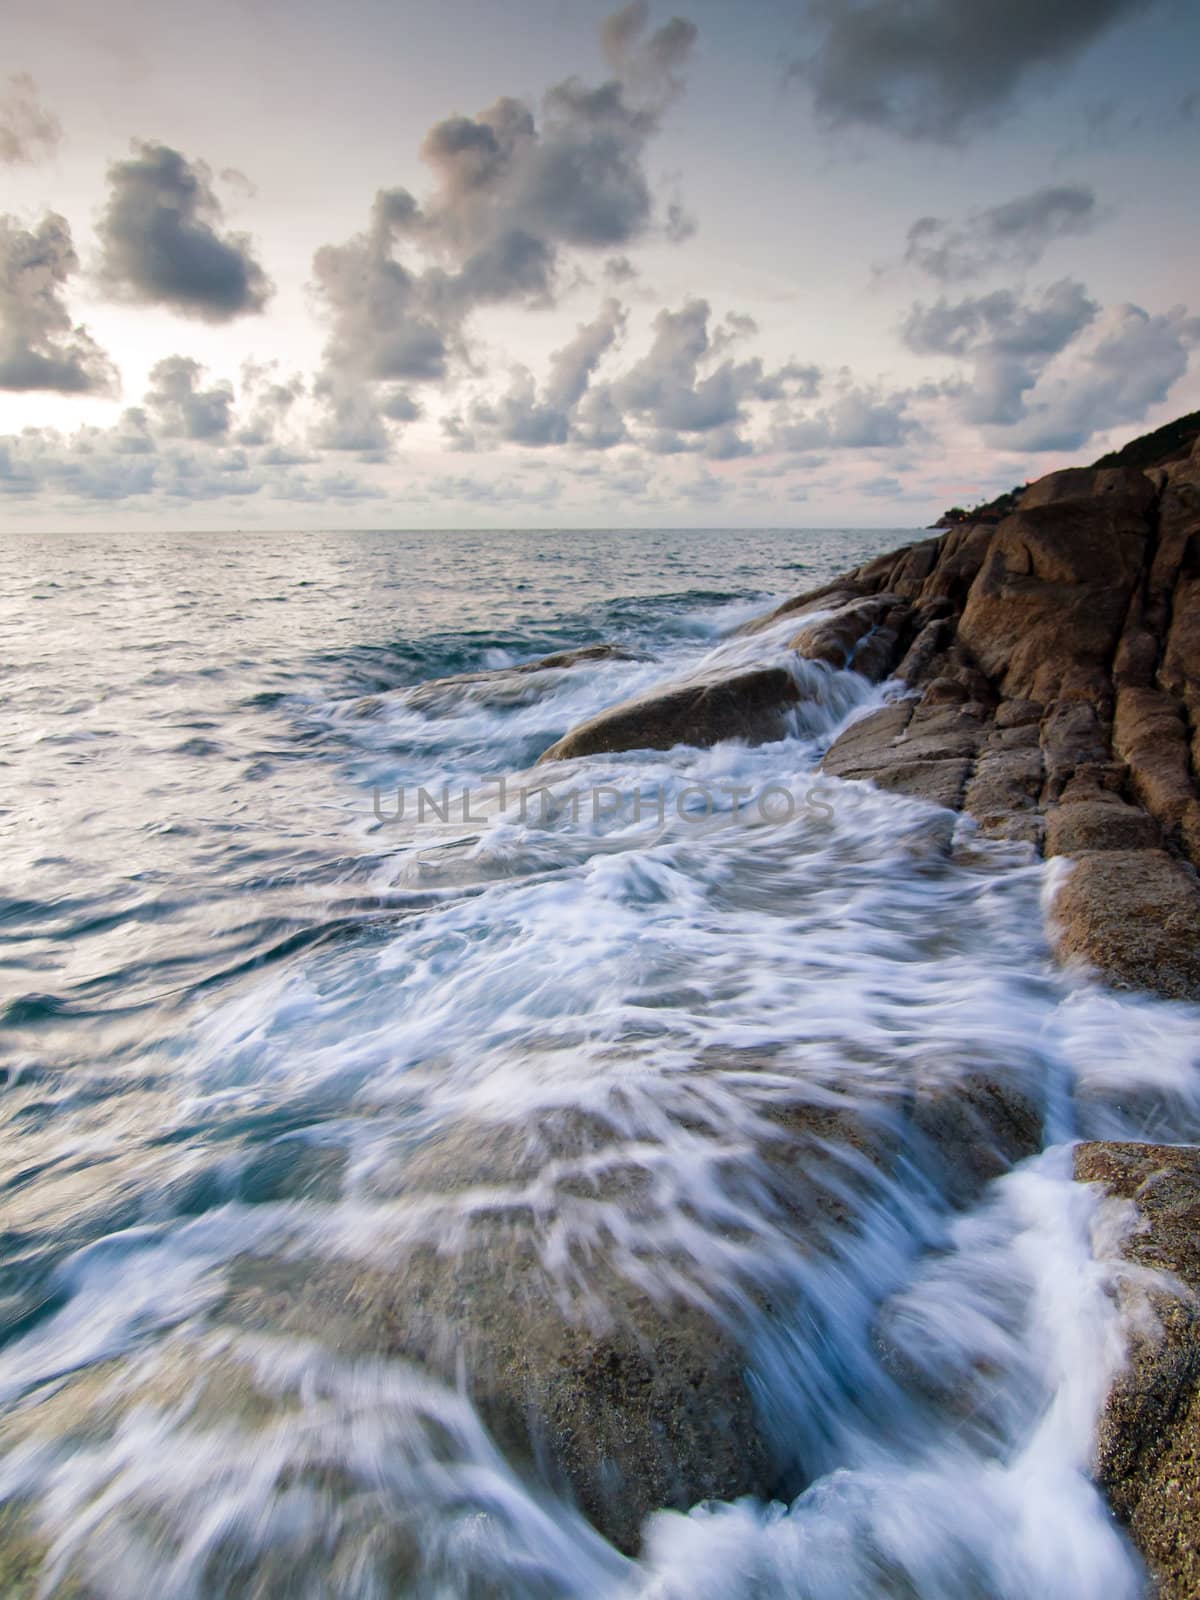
(393, 263)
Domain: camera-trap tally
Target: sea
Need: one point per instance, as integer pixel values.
(289, 917)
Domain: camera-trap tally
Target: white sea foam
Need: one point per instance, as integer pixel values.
(684, 986)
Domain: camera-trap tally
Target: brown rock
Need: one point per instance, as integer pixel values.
(864, 634)
(1100, 824)
(974, 1128)
(1044, 614)
(1150, 734)
(752, 706)
(1135, 915)
(1148, 1447)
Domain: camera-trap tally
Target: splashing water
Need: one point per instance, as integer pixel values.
(651, 1060)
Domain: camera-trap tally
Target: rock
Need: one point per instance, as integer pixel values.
(1150, 734)
(1100, 824)
(1148, 1446)
(862, 634)
(1058, 688)
(1054, 659)
(928, 753)
(631, 1401)
(752, 706)
(974, 1128)
(1134, 915)
(1044, 614)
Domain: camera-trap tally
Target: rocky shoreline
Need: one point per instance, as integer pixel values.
(1053, 664)
(1052, 668)
(1046, 673)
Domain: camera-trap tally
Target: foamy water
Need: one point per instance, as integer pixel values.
(604, 1040)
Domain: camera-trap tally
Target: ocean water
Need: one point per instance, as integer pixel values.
(294, 995)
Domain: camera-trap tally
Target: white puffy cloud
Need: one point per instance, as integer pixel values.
(40, 345)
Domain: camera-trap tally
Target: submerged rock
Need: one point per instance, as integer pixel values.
(497, 686)
(547, 1267)
(1148, 1447)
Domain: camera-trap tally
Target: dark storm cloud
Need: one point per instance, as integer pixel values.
(1015, 234)
(937, 69)
(162, 241)
(28, 132)
(1007, 340)
(514, 193)
(40, 346)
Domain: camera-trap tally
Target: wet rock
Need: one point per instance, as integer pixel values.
(595, 1352)
(924, 751)
(1135, 916)
(1148, 1445)
(1054, 659)
(975, 1127)
(752, 706)
(864, 635)
(626, 1401)
(1058, 700)
(1104, 823)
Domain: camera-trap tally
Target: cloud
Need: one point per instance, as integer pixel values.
(387, 322)
(859, 419)
(189, 441)
(525, 417)
(97, 465)
(1129, 362)
(651, 65)
(183, 409)
(1015, 234)
(514, 193)
(28, 132)
(619, 270)
(162, 243)
(678, 398)
(939, 69)
(1007, 340)
(40, 346)
(882, 488)
(672, 392)
(271, 402)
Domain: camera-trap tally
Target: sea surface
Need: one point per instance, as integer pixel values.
(252, 980)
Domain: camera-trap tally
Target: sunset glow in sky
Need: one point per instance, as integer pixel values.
(544, 264)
